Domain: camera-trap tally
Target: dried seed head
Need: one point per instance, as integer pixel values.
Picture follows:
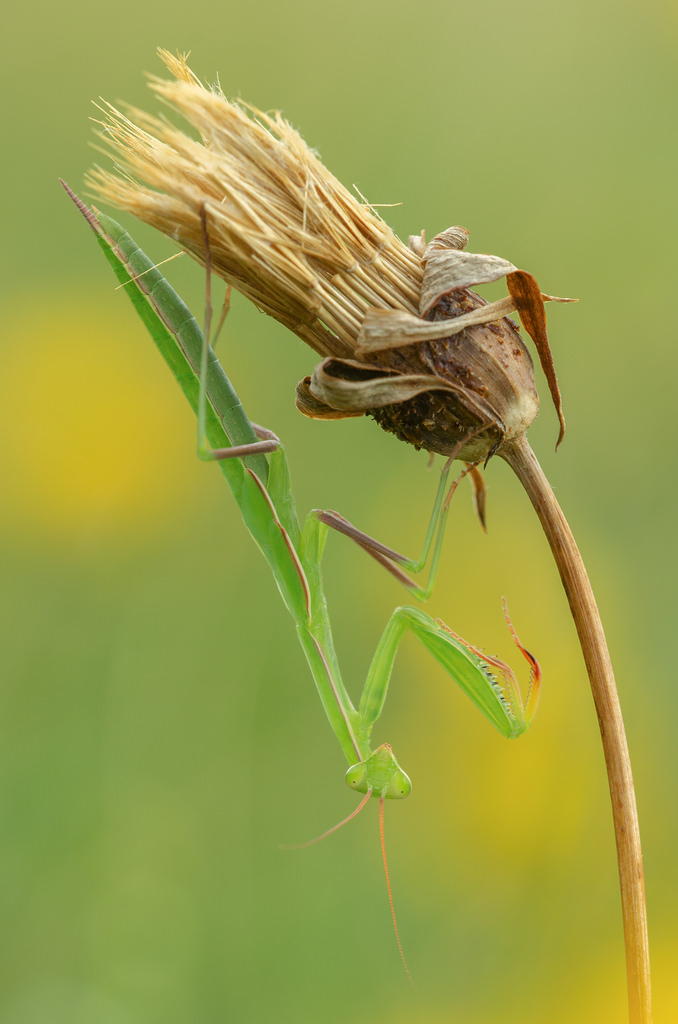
(404, 338)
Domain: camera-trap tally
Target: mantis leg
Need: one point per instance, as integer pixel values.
(261, 441)
(400, 565)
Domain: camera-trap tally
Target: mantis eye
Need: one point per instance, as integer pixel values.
(399, 787)
(356, 777)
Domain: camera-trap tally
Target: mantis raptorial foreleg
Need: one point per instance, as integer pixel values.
(489, 682)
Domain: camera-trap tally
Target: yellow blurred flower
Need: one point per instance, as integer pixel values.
(90, 435)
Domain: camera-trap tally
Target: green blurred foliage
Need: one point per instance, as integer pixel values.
(160, 733)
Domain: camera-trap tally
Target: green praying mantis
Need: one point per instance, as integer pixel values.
(253, 461)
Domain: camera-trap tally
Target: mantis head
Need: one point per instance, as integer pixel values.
(380, 775)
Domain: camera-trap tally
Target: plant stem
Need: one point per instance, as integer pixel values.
(520, 457)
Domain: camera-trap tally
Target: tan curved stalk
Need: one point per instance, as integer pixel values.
(520, 457)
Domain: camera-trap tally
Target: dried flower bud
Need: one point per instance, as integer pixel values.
(458, 378)
(404, 338)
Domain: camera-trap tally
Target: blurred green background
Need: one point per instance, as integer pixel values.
(160, 732)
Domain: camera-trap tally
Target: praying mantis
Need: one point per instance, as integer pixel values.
(253, 462)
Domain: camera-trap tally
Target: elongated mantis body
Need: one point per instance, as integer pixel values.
(254, 464)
